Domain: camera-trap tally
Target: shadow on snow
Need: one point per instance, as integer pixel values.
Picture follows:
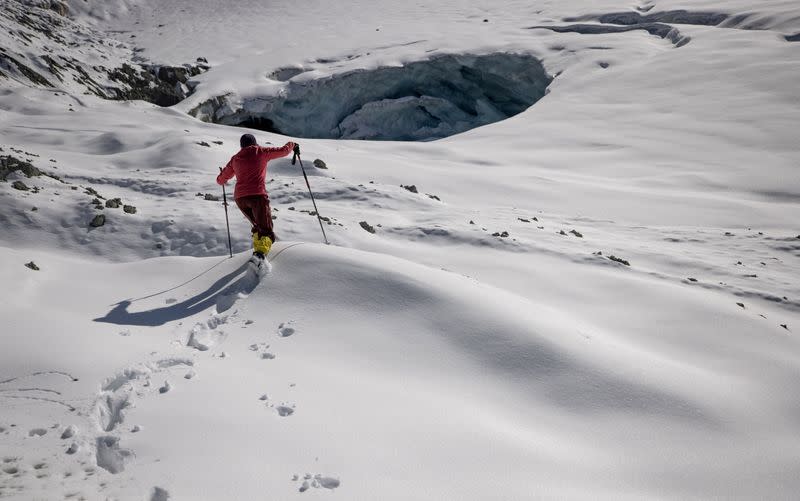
(222, 294)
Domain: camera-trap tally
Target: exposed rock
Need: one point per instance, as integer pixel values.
(35, 78)
(434, 197)
(129, 209)
(93, 192)
(203, 143)
(367, 226)
(319, 164)
(619, 260)
(161, 85)
(19, 185)
(114, 203)
(97, 221)
(32, 266)
(9, 164)
(412, 188)
(740, 305)
(576, 233)
(59, 7)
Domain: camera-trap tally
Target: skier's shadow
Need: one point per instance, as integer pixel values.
(223, 294)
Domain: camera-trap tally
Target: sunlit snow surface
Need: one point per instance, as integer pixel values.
(434, 358)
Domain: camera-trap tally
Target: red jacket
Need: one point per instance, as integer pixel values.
(250, 168)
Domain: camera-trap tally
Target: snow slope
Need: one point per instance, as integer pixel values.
(434, 358)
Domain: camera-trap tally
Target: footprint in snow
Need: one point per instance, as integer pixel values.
(285, 329)
(118, 394)
(159, 494)
(262, 347)
(69, 432)
(284, 411)
(317, 481)
(206, 335)
(11, 470)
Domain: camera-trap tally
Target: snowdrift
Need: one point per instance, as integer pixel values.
(342, 365)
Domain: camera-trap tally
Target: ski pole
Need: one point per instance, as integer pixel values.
(319, 218)
(227, 224)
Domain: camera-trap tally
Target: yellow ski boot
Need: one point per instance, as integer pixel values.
(262, 246)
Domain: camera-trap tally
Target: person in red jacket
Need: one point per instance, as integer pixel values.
(249, 166)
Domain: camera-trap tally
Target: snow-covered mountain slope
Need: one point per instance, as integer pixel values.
(595, 297)
(386, 377)
(41, 46)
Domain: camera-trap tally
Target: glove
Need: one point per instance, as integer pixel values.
(296, 148)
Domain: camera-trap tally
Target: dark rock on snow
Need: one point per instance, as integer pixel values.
(97, 221)
(619, 260)
(114, 203)
(367, 226)
(9, 164)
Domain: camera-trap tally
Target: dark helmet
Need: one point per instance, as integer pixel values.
(247, 140)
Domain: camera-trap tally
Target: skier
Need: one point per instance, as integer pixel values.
(249, 166)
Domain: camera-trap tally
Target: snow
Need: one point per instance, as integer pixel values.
(434, 358)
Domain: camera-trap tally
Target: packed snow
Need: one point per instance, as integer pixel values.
(564, 267)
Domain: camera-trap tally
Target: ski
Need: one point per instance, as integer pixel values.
(259, 265)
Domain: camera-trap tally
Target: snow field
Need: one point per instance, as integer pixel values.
(481, 343)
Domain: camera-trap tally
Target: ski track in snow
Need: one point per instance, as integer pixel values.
(104, 448)
(121, 392)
